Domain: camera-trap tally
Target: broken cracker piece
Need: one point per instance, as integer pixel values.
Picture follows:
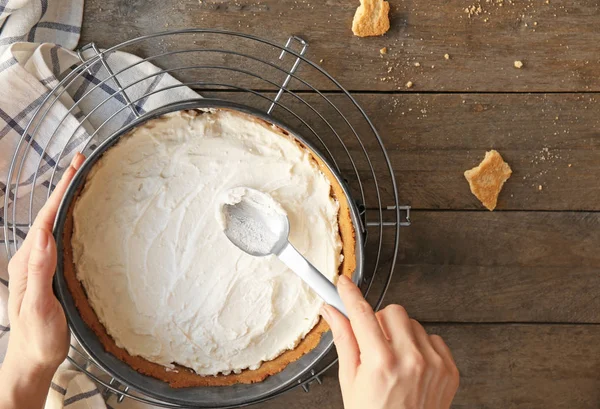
(487, 179)
(371, 18)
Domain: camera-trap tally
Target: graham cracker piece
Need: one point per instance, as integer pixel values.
(487, 179)
(371, 18)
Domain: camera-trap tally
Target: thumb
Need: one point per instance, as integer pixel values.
(345, 341)
(40, 269)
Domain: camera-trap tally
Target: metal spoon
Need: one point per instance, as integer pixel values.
(256, 224)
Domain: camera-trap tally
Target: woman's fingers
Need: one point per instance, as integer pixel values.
(423, 342)
(40, 270)
(345, 342)
(17, 268)
(369, 335)
(453, 378)
(444, 352)
(388, 359)
(46, 216)
(435, 373)
(396, 325)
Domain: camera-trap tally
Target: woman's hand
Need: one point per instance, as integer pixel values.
(39, 337)
(386, 359)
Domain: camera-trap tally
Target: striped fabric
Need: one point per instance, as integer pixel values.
(36, 42)
(71, 389)
(35, 21)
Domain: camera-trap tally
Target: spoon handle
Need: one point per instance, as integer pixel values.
(311, 276)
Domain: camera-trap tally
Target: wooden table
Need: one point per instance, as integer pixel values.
(515, 293)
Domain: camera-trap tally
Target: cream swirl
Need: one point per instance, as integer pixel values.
(157, 268)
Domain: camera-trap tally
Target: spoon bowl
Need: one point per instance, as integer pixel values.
(256, 223)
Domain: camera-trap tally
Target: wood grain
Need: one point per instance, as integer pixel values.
(556, 40)
(502, 366)
(549, 140)
(492, 267)
(499, 267)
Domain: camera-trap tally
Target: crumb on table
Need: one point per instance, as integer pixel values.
(371, 18)
(487, 179)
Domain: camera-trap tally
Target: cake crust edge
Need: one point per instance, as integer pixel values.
(182, 377)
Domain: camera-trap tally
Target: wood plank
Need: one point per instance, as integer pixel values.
(556, 40)
(498, 267)
(549, 140)
(502, 366)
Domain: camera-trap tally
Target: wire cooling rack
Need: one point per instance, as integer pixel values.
(275, 78)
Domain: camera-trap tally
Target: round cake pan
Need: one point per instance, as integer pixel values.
(202, 397)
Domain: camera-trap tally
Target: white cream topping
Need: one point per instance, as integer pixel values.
(158, 270)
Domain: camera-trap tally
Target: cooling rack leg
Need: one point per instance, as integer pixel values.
(108, 392)
(100, 55)
(8, 237)
(82, 58)
(404, 222)
(314, 378)
(3, 239)
(291, 72)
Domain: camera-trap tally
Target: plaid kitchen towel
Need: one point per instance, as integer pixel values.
(58, 21)
(36, 42)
